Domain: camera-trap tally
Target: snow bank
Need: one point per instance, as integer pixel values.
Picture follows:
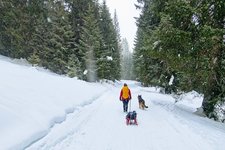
(191, 101)
(32, 101)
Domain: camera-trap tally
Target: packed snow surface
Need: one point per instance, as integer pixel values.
(40, 110)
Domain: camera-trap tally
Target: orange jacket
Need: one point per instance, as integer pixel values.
(125, 93)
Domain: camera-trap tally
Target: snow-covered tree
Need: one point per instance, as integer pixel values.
(126, 61)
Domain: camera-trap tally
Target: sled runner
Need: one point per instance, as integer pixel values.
(131, 118)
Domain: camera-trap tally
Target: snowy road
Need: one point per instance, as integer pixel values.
(44, 111)
(100, 125)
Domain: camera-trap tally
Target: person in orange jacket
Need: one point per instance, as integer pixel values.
(125, 96)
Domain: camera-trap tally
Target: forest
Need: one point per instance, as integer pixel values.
(179, 45)
(69, 37)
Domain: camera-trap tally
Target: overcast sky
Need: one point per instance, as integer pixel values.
(126, 12)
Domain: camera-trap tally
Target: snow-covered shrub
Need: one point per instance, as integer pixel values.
(219, 111)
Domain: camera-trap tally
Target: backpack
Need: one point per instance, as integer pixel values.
(132, 115)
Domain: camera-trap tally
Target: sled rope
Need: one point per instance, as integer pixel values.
(130, 106)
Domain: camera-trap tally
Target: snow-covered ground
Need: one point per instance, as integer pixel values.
(40, 110)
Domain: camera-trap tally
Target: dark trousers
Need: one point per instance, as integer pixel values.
(125, 105)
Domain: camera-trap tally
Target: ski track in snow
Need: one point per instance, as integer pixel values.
(101, 126)
(74, 117)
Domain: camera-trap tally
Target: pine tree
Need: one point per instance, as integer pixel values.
(174, 34)
(185, 36)
(6, 17)
(90, 42)
(126, 61)
(50, 38)
(58, 26)
(117, 28)
(118, 45)
(74, 67)
(212, 32)
(200, 37)
(13, 28)
(77, 10)
(149, 69)
(111, 55)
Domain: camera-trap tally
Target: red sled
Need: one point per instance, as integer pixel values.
(131, 118)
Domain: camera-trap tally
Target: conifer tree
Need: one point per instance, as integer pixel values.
(149, 69)
(117, 29)
(187, 37)
(51, 38)
(77, 10)
(60, 35)
(13, 28)
(90, 42)
(110, 61)
(126, 61)
(212, 42)
(6, 16)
